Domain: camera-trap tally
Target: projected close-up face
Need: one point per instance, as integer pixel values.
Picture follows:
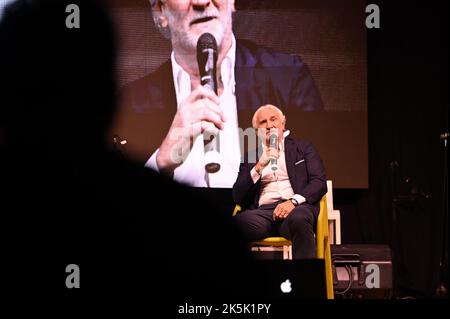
(307, 58)
(187, 20)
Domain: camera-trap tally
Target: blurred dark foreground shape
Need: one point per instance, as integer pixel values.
(67, 198)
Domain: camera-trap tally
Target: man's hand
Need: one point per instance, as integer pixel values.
(283, 210)
(197, 114)
(266, 155)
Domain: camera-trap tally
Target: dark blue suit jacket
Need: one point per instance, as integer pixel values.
(305, 170)
(148, 105)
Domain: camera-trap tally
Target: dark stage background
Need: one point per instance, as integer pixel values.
(408, 101)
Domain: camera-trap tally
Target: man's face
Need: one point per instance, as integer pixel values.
(268, 120)
(189, 19)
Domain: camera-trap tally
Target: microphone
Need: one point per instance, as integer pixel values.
(273, 145)
(207, 64)
(207, 60)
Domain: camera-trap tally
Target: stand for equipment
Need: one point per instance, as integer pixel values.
(442, 288)
(409, 198)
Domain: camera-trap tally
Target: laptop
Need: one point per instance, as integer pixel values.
(293, 279)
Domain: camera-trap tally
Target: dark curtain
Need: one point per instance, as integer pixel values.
(408, 110)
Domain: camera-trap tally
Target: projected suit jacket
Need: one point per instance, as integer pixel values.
(148, 105)
(305, 170)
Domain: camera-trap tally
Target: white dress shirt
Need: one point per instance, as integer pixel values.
(275, 185)
(192, 170)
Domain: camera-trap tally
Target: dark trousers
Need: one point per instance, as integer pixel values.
(298, 227)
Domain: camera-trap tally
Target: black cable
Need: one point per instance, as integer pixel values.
(350, 281)
(350, 276)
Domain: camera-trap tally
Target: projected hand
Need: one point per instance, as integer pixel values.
(198, 113)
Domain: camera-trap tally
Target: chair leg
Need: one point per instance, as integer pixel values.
(338, 230)
(285, 252)
(331, 225)
(328, 272)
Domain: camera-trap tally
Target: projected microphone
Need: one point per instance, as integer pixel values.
(207, 61)
(273, 151)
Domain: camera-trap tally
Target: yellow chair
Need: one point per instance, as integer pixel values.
(322, 244)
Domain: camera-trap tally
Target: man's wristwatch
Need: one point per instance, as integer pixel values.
(294, 201)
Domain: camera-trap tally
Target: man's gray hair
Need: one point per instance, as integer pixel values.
(165, 31)
(268, 106)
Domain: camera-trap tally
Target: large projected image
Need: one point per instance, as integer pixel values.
(308, 58)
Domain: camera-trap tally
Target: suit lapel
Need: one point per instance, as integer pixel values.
(167, 98)
(290, 151)
(240, 76)
(250, 79)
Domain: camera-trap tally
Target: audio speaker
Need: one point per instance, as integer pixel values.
(362, 271)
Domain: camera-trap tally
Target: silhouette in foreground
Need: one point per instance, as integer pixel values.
(70, 199)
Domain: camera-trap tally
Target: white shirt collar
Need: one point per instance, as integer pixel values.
(182, 80)
(285, 134)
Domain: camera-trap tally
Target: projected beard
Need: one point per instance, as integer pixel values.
(186, 28)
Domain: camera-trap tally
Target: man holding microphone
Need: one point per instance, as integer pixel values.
(280, 194)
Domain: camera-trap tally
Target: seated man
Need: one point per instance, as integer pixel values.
(281, 198)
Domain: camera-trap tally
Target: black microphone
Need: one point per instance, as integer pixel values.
(207, 64)
(273, 145)
(207, 60)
